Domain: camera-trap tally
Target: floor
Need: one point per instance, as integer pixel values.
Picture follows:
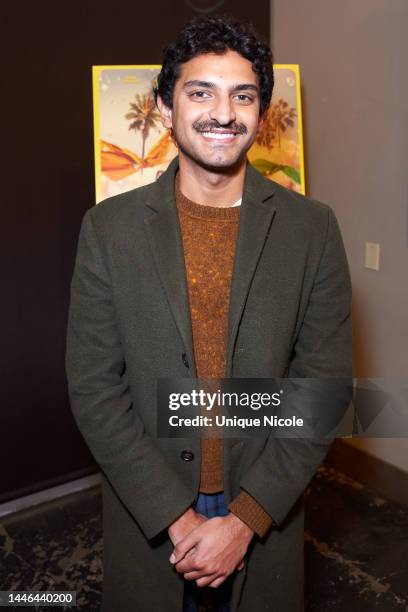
(356, 548)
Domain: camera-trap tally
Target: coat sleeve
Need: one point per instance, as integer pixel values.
(323, 349)
(101, 400)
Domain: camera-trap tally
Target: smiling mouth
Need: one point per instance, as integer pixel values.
(219, 135)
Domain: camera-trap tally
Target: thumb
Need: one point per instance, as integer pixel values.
(183, 546)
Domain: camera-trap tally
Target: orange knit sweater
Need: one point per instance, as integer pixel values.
(209, 236)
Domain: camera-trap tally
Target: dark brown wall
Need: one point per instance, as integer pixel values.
(47, 184)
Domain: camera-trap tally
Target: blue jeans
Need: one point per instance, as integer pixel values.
(218, 599)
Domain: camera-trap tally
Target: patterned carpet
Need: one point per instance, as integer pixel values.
(356, 548)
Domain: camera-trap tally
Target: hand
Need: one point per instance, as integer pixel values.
(185, 524)
(213, 550)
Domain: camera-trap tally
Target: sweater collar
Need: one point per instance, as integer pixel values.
(203, 211)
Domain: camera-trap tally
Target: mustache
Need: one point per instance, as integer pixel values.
(207, 126)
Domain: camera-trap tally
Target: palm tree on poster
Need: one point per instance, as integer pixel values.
(278, 118)
(144, 116)
(283, 117)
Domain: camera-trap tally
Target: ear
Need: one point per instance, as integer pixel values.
(165, 112)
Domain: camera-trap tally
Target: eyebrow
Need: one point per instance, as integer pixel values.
(209, 85)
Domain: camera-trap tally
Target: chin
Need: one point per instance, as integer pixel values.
(226, 165)
(222, 165)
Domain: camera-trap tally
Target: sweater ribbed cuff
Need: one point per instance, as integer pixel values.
(246, 508)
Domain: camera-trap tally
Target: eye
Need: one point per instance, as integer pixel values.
(201, 95)
(244, 98)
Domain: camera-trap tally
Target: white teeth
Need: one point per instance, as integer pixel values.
(217, 135)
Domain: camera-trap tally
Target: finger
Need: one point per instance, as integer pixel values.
(195, 575)
(188, 554)
(209, 580)
(188, 564)
(183, 546)
(212, 583)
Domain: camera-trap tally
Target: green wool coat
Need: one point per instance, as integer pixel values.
(129, 324)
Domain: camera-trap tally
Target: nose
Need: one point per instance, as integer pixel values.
(223, 110)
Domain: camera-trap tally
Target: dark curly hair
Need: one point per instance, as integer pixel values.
(215, 35)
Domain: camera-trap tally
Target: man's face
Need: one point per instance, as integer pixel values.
(215, 112)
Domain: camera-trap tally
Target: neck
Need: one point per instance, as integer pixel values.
(209, 187)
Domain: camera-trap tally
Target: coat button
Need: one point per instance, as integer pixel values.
(187, 455)
(185, 360)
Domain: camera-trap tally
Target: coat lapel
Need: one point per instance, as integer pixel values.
(255, 221)
(165, 239)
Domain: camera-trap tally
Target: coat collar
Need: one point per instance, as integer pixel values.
(161, 192)
(257, 213)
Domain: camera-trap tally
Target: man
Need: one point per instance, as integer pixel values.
(212, 271)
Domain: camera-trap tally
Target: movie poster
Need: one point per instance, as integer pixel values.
(132, 148)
